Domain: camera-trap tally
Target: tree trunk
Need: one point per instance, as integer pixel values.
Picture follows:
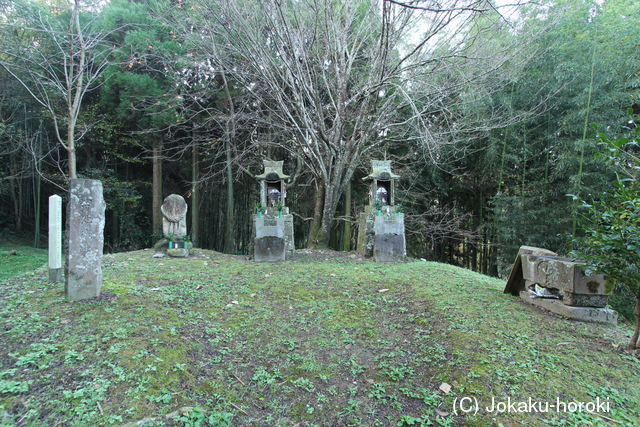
(346, 238)
(316, 222)
(37, 206)
(16, 194)
(328, 213)
(636, 334)
(75, 91)
(229, 237)
(332, 190)
(71, 151)
(156, 201)
(195, 200)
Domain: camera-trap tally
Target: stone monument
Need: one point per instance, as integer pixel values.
(542, 278)
(85, 230)
(272, 223)
(175, 242)
(381, 225)
(55, 238)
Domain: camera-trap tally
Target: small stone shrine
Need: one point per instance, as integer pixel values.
(175, 242)
(85, 233)
(542, 278)
(381, 225)
(272, 222)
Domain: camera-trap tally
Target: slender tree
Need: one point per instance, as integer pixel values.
(58, 56)
(334, 75)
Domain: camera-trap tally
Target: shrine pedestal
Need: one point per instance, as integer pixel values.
(381, 237)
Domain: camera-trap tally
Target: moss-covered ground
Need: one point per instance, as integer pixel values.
(18, 258)
(325, 339)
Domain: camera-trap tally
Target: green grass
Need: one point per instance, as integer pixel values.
(18, 258)
(326, 339)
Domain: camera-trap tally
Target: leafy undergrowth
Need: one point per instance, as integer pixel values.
(326, 339)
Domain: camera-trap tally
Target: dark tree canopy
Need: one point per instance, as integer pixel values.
(482, 109)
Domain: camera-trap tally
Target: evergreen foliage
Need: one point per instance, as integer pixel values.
(611, 222)
(487, 150)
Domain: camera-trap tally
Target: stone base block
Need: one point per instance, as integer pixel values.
(55, 275)
(268, 249)
(389, 248)
(585, 314)
(585, 300)
(159, 248)
(178, 252)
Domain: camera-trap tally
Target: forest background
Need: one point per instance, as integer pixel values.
(483, 109)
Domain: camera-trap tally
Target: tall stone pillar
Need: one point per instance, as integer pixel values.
(55, 238)
(85, 219)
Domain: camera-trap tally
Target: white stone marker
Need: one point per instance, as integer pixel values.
(55, 238)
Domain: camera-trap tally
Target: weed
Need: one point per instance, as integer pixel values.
(409, 420)
(300, 347)
(304, 384)
(378, 391)
(10, 386)
(38, 357)
(165, 396)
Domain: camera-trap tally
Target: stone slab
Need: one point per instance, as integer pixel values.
(269, 249)
(389, 224)
(585, 314)
(561, 273)
(269, 227)
(389, 248)
(382, 236)
(516, 282)
(366, 234)
(288, 234)
(585, 300)
(86, 217)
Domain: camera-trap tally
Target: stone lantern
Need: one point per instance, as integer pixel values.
(381, 225)
(272, 223)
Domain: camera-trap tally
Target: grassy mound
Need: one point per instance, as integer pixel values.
(327, 339)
